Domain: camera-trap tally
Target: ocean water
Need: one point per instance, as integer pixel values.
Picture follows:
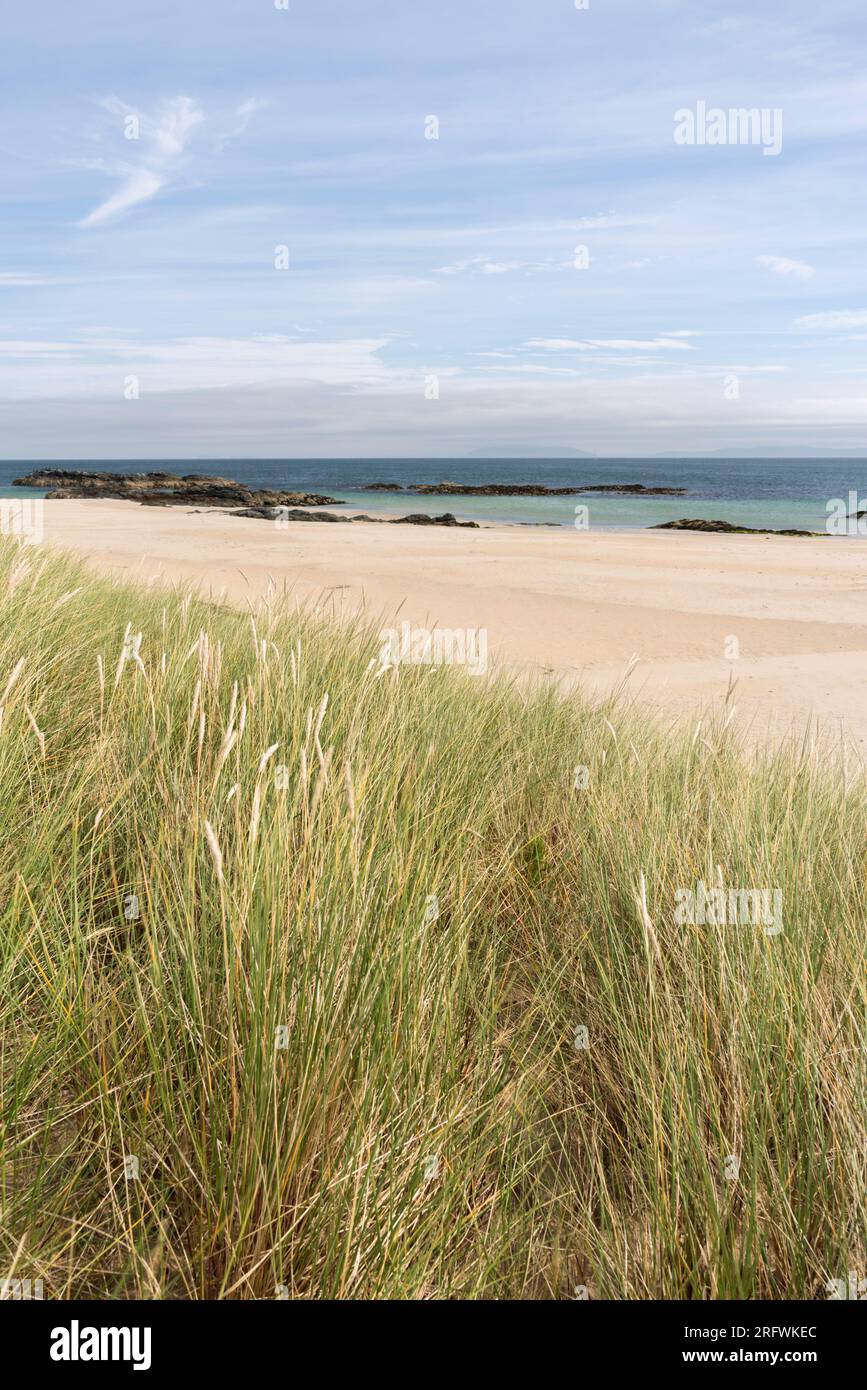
(748, 492)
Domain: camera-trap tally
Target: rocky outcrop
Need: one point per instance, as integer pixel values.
(533, 489)
(161, 489)
(421, 519)
(295, 514)
(157, 489)
(726, 528)
(635, 490)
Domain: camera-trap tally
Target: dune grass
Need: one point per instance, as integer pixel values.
(296, 962)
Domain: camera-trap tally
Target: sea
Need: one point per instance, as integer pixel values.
(760, 492)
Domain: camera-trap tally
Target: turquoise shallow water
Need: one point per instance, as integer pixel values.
(774, 493)
(606, 513)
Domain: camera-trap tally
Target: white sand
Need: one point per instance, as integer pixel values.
(578, 604)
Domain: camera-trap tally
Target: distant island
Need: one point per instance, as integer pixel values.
(512, 451)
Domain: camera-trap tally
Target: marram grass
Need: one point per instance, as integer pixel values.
(323, 984)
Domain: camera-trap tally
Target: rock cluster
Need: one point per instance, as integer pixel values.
(157, 489)
(524, 489)
(295, 514)
(700, 524)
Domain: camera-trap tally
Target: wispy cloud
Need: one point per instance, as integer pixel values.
(834, 318)
(166, 140)
(783, 265)
(557, 344)
(11, 279)
(659, 344)
(334, 163)
(243, 114)
(96, 366)
(485, 266)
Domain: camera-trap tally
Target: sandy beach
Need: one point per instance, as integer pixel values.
(576, 605)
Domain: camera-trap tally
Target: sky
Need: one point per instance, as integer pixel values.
(375, 228)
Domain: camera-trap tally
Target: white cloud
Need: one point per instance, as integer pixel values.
(243, 115)
(834, 318)
(652, 344)
(782, 265)
(659, 344)
(167, 139)
(557, 344)
(745, 369)
(12, 278)
(94, 366)
(531, 368)
(176, 126)
(485, 266)
(647, 413)
(140, 185)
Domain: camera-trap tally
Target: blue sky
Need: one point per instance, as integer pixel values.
(721, 300)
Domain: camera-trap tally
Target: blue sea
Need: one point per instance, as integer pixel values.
(774, 493)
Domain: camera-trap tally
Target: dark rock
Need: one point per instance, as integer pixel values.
(537, 490)
(636, 489)
(158, 489)
(726, 528)
(419, 519)
(383, 487)
(295, 514)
